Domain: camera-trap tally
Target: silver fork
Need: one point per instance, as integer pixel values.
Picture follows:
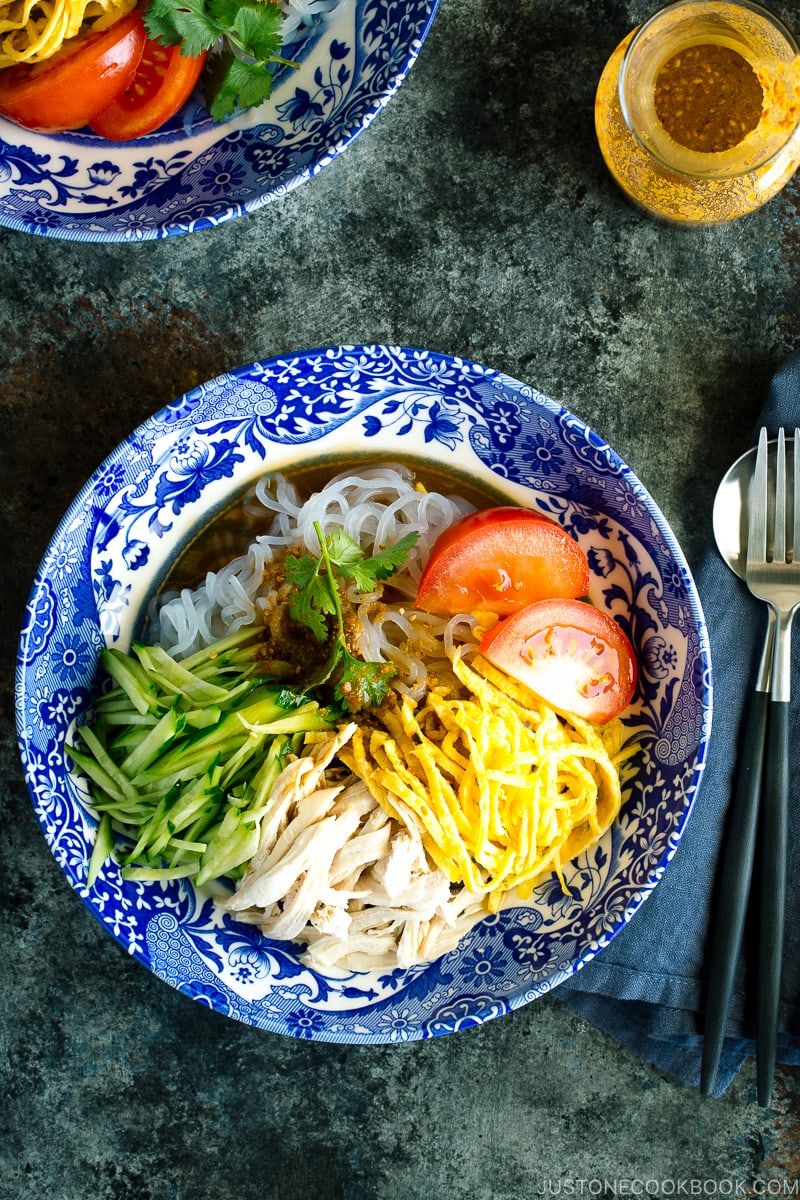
(773, 575)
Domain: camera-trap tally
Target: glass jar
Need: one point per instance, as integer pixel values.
(698, 111)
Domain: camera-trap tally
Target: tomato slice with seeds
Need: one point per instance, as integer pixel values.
(79, 81)
(569, 653)
(164, 80)
(500, 560)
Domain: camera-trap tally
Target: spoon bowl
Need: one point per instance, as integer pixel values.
(730, 511)
(730, 524)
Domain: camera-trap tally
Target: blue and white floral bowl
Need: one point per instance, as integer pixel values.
(193, 174)
(153, 494)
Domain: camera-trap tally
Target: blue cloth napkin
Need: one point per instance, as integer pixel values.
(647, 988)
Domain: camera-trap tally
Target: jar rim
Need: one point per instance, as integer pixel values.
(696, 164)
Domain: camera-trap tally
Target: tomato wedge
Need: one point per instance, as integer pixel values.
(500, 560)
(568, 652)
(79, 81)
(163, 82)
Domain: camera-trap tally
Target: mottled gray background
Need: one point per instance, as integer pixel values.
(474, 217)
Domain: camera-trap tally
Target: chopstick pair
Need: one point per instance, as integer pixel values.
(759, 807)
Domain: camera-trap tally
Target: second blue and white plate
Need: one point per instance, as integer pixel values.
(192, 174)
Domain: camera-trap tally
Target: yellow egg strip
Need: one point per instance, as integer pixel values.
(33, 30)
(504, 789)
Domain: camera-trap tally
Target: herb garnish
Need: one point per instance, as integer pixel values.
(359, 684)
(243, 36)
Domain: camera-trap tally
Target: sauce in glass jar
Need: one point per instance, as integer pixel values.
(698, 111)
(708, 97)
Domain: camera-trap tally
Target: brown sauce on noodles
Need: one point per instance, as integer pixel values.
(229, 534)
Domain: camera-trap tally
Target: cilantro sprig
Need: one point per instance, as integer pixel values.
(243, 38)
(316, 597)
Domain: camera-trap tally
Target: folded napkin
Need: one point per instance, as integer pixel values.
(647, 988)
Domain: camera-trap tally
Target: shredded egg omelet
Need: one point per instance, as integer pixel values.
(503, 788)
(33, 30)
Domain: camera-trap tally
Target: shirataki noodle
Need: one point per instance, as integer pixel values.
(376, 507)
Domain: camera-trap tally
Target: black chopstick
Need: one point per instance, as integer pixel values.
(773, 894)
(734, 886)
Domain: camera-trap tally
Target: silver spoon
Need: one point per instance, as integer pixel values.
(730, 533)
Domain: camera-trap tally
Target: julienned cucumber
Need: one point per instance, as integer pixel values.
(181, 757)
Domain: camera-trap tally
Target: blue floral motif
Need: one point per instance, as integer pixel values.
(40, 619)
(109, 481)
(72, 654)
(398, 1023)
(602, 562)
(107, 586)
(251, 956)
(658, 658)
(443, 427)
(300, 109)
(83, 601)
(560, 899)
(22, 165)
(151, 173)
(506, 424)
(484, 964)
(675, 582)
(205, 449)
(248, 964)
(439, 419)
(136, 554)
(59, 707)
(304, 109)
(543, 454)
(63, 560)
(112, 599)
(305, 1023)
(103, 173)
(537, 956)
(217, 181)
(195, 464)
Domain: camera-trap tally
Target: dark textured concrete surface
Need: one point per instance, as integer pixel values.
(474, 217)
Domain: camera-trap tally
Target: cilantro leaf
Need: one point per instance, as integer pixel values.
(233, 84)
(301, 568)
(182, 22)
(368, 571)
(362, 684)
(253, 25)
(302, 610)
(159, 23)
(245, 35)
(315, 597)
(342, 550)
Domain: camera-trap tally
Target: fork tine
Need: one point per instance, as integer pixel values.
(757, 519)
(779, 536)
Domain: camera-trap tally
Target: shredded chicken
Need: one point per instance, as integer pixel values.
(335, 872)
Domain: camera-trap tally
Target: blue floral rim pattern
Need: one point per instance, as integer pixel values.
(192, 174)
(192, 459)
